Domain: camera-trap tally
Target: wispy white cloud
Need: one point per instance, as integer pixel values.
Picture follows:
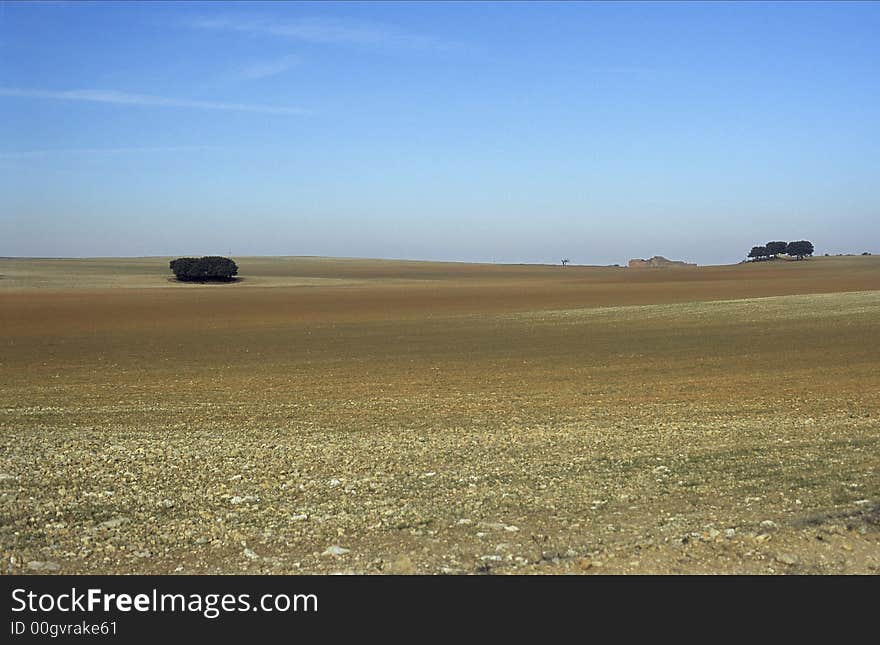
(55, 152)
(329, 32)
(266, 68)
(125, 98)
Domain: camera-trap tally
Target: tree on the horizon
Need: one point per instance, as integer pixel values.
(799, 249)
(208, 268)
(565, 261)
(775, 248)
(758, 252)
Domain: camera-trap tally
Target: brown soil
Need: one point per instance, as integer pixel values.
(437, 417)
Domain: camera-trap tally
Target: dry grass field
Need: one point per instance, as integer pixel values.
(335, 415)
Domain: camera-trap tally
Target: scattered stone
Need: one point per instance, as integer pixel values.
(511, 528)
(584, 564)
(250, 554)
(787, 558)
(495, 526)
(247, 499)
(336, 550)
(730, 533)
(491, 558)
(768, 525)
(401, 566)
(112, 524)
(333, 483)
(38, 565)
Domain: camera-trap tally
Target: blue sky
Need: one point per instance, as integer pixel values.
(507, 132)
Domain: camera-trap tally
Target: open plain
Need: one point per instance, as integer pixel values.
(341, 415)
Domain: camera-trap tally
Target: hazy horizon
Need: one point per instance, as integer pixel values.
(473, 132)
(621, 263)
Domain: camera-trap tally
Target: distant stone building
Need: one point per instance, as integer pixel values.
(657, 262)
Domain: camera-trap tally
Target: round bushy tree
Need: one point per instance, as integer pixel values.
(775, 248)
(758, 252)
(799, 249)
(204, 269)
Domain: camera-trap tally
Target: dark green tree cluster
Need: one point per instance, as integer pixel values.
(205, 269)
(775, 248)
(799, 250)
